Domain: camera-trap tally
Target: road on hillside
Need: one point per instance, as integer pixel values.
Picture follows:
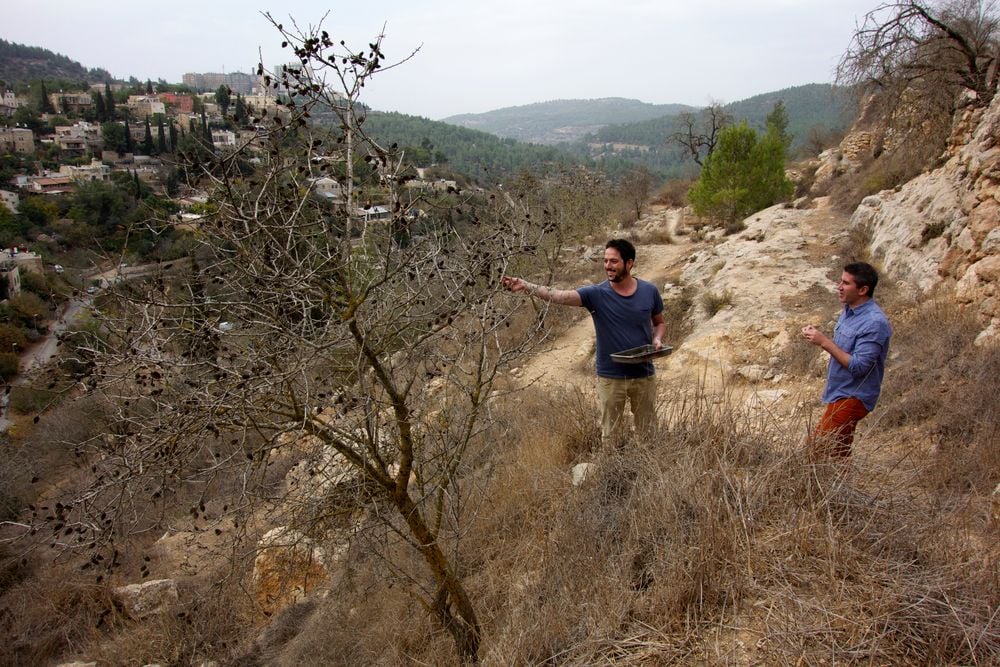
(44, 350)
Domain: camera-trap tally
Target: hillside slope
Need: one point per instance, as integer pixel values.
(20, 64)
(563, 120)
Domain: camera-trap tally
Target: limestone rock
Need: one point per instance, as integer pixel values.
(148, 598)
(581, 471)
(943, 225)
(288, 565)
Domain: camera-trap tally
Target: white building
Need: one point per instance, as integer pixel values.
(328, 188)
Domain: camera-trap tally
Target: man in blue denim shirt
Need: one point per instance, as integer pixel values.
(857, 351)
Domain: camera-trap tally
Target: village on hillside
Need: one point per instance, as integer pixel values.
(133, 141)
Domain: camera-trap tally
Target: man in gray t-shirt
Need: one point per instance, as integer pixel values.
(627, 313)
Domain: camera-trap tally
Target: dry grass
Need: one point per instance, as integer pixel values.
(713, 541)
(944, 388)
(891, 169)
(713, 302)
(673, 193)
(50, 615)
(717, 523)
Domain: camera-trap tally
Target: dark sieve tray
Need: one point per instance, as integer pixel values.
(641, 354)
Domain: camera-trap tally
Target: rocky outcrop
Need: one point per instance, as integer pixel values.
(941, 228)
(148, 598)
(856, 147)
(287, 567)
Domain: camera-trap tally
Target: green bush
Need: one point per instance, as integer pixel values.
(28, 400)
(745, 173)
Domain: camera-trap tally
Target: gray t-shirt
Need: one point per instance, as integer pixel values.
(621, 323)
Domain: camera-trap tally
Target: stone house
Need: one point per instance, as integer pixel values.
(71, 103)
(17, 140)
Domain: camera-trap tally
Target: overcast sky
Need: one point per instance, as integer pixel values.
(473, 56)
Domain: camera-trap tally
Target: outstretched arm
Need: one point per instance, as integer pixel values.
(563, 297)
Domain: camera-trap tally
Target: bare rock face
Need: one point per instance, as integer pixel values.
(288, 566)
(148, 598)
(943, 227)
(853, 150)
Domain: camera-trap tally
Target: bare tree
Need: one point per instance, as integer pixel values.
(914, 59)
(635, 188)
(699, 133)
(380, 342)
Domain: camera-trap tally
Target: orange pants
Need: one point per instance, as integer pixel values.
(835, 431)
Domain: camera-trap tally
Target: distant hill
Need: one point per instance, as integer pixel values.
(487, 157)
(20, 64)
(812, 105)
(483, 157)
(562, 121)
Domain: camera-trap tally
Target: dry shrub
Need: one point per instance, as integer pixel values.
(713, 302)
(364, 618)
(677, 315)
(658, 235)
(208, 624)
(717, 522)
(946, 386)
(733, 227)
(46, 617)
(856, 245)
(555, 427)
(889, 170)
(799, 358)
(673, 193)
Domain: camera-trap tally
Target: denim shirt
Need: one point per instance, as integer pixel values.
(863, 332)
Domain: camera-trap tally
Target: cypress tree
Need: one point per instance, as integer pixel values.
(161, 140)
(109, 102)
(129, 143)
(240, 111)
(44, 103)
(100, 111)
(173, 184)
(173, 137)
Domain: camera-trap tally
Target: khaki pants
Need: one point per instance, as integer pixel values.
(612, 393)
